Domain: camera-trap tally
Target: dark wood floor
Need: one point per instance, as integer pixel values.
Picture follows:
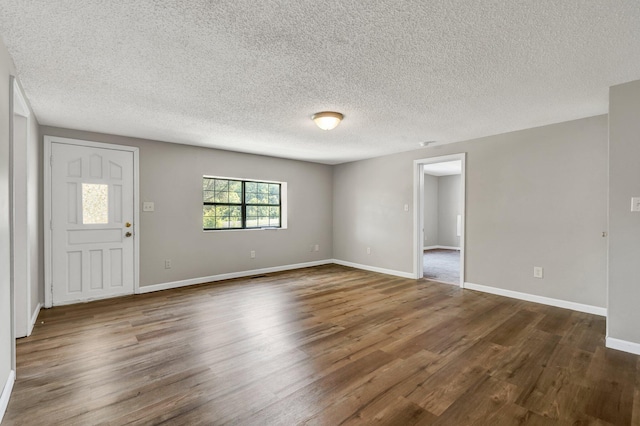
(325, 346)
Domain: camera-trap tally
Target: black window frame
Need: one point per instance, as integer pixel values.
(243, 205)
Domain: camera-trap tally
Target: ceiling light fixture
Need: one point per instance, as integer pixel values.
(327, 120)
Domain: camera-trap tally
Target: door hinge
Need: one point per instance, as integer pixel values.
(51, 225)
(51, 160)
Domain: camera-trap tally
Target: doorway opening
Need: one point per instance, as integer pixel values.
(439, 237)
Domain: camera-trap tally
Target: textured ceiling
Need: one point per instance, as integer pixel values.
(246, 75)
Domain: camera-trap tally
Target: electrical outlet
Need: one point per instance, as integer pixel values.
(537, 272)
(316, 247)
(167, 264)
(252, 254)
(148, 206)
(368, 250)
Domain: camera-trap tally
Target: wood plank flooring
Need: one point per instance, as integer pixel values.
(321, 346)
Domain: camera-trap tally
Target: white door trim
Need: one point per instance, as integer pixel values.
(48, 141)
(418, 210)
(21, 303)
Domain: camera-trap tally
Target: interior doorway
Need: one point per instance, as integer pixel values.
(439, 213)
(442, 220)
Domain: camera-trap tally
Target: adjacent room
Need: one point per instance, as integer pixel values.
(284, 213)
(442, 221)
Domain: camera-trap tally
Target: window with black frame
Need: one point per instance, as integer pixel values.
(240, 204)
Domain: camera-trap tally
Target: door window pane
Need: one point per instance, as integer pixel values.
(95, 203)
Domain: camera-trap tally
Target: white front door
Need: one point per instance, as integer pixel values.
(92, 222)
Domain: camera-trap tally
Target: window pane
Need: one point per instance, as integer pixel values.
(252, 211)
(235, 192)
(222, 211)
(208, 222)
(250, 186)
(95, 203)
(274, 216)
(252, 222)
(263, 188)
(235, 197)
(250, 197)
(221, 197)
(263, 221)
(208, 184)
(235, 211)
(221, 185)
(207, 196)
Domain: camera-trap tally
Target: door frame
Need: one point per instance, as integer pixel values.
(20, 230)
(48, 240)
(418, 211)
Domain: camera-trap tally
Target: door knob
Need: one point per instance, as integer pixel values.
(128, 225)
(128, 234)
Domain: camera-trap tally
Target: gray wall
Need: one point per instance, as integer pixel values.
(535, 197)
(171, 176)
(441, 207)
(624, 225)
(430, 210)
(6, 341)
(448, 210)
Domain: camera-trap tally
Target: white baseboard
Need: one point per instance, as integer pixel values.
(440, 248)
(596, 310)
(34, 318)
(220, 277)
(375, 269)
(623, 345)
(6, 393)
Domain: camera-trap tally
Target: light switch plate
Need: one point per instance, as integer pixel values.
(635, 204)
(148, 206)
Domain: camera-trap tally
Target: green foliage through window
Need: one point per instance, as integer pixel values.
(239, 204)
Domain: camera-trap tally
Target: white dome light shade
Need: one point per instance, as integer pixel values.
(327, 120)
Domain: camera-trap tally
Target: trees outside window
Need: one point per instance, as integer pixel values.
(240, 204)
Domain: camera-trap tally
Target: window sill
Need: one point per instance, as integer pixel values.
(249, 229)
